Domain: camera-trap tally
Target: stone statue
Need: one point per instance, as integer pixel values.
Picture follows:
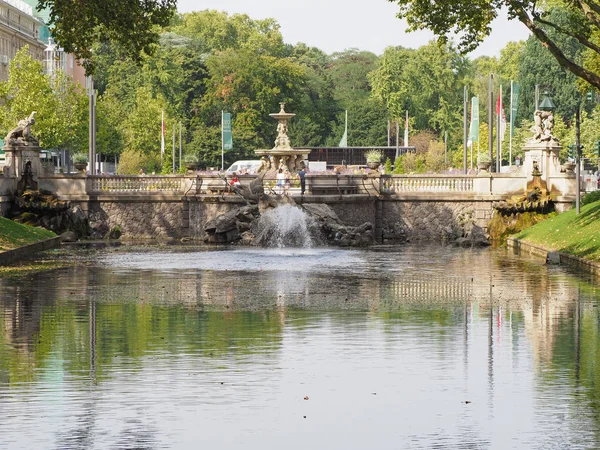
(266, 164)
(282, 140)
(543, 126)
(22, 133)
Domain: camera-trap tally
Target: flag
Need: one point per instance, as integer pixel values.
(162, 135)
(514, 102)
(227, 134)
(406, 131)
(500, 112)
(474, 128)
(344, 140)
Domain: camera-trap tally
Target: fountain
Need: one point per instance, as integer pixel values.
(276, 221)
(286, 226)
(283, 155)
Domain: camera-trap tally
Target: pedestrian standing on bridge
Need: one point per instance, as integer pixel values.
(280, 180)
(302, 175)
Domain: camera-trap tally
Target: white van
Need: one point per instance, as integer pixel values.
(245, 167)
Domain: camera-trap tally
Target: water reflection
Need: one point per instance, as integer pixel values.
(420, 347)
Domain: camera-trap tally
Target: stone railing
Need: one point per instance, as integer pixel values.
(487, 184)
(136, 184)
(427, 183)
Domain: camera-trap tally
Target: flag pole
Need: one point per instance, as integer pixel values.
(397, 138)
(346, 128)
(388, 130)
(174, 148)
(465, 136)
(162, 136)
(406, 130)
(511, 125)
(222, 143)
(491, 117)
(498, 131)
(180, 144)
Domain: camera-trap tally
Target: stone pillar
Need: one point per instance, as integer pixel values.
(17, 157)
(545, 156)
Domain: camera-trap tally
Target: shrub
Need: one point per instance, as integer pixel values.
(79, 158)
(484, 158)
(373, 155)
(590, 198)
(388, 166)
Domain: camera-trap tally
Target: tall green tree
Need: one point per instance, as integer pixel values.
(426, 82)
(250, 86)
(219, 31)
(77, 25)
(59, 103)
(536, 66)
(367, 116)
(471, 21)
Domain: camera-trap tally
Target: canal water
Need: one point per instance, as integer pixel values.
(408, 347)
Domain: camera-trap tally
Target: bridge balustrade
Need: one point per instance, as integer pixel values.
(131, 184)
(411, 183)
(319, 183)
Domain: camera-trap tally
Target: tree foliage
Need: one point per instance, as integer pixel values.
(471, 19)
(426, 82)
(61, 106)
(77, 25)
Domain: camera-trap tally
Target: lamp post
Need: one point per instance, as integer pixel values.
(547, 104)
(578, 159)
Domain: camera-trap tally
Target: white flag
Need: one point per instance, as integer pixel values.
(162, 135)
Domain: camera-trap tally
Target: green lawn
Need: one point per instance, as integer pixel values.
(13, 234)
(568, 232)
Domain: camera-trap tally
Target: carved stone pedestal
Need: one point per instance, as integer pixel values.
(542, 157)
(23, 163)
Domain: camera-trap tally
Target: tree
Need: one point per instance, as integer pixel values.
(77, 25)
(537, 67)
(367, 116)
(250, 86)
(220, 31)
(428, 82)
(59, 103)
(471, 19)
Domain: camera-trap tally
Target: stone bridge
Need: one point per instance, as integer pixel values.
(175, 206)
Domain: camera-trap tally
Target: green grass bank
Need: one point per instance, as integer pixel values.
(14, 235)
(577, 235)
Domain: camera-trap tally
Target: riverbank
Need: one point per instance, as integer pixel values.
(14, 235)
(18, 241)
(567, 237)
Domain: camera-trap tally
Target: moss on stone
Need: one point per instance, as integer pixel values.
(501, 226)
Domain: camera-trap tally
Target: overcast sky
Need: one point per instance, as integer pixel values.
(335, 25)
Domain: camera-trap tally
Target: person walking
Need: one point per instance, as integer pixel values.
(280, 180)
(302, 176)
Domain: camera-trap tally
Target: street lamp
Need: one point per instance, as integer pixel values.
(547, 103)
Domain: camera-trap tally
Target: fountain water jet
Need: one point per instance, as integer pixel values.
(286, 226)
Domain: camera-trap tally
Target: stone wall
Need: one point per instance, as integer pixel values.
(355, 213)
(139, 219)
(431, 220)
(203, 210)
(187, 217)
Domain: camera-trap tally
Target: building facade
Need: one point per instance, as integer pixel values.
(19, 27)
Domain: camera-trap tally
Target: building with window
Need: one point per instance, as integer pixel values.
(19, 27)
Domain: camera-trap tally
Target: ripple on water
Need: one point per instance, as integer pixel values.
(271, 259)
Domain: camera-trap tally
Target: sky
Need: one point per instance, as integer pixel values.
(337, 25)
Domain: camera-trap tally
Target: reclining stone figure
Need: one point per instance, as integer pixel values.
(22, 133)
